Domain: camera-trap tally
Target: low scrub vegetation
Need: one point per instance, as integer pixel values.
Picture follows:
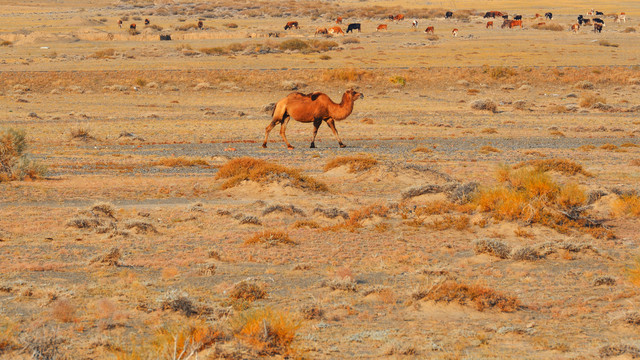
(480, 297)
(14, 163)
(626, 205)
(250, 169)
(530, 195)
(103, 54)
(348, 74)
(270, 238)
(564, 166)
(355, 163)
(268, 331)
(550, 26)
(180, 162)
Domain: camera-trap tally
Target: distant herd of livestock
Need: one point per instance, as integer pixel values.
(516, 21)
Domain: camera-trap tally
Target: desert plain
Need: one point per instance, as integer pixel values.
(486, 205)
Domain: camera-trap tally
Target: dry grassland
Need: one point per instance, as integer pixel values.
(486, 205)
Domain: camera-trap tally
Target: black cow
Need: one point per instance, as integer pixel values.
(448, 15)
(146, 21)
(165, 37)
(489, 14)
(599, 13)
(597, 27)
(505, 16)
(517, 17)
(548, 15)
(354, 26)
(598, 21)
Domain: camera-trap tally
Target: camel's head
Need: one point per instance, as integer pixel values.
(355, 95)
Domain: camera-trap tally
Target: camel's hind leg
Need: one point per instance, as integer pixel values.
(278, 116)
(316, 125)
(283, 128)
(268, 130)
(332, 125)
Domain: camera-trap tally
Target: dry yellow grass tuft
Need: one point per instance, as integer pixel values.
(422, 149)
(488, 149)
(248, 291)
(355, 163)
(551, 27)
(180, 162)
(461, 222)
(14, 163)
(103, 54)
(269, 331)
(489, 131)
(480, 297)
(270, 238)
(262, 172)
(560, 165)
(608, 147)
(626, 205)
(588, 100)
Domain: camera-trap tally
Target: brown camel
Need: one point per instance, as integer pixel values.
(316, 108)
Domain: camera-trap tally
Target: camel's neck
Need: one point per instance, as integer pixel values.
(344, 109)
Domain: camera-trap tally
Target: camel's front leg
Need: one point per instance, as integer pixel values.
(332, 125)
(316, 125)
(267, 131)
(283, 128)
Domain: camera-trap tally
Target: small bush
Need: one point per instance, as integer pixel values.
(585, 85)
(63, 311)
(492, 247)
(6, 43)
(134, 32)
(140, 226)
(230, 25)
(355, 163)
(81, 133)
(180, 162)
(484, 104)
(238, 170)
(293, 45)
(215, 51)
(247, 291)
(588, 100)
(270, 238)
(550, 26)
(103, 54)
(607, 43)
(499, 72)
(488, 149)
(268, 331)
(14, 163)
(398, 80)
(560, 165)
(629, 30)
(187, 27)
(351, 40)
(626, 205)
(140, 82)
(480, 297)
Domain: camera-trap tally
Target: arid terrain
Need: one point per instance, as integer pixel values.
(486, 205)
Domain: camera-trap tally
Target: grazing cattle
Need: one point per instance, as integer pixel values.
(430, 30)
(591, 12)
(200, 25)
(621, 18)
(291, 25)
(448, 15)
(147, 22)
(321, 31)
(398, 17)
(599, 13)
(354, 26)
(120, 23)
(506, 23)
(132, 26)
(489, 24)
(515, 23)
(598, 21)
(339, 20)
(414, 24)
(391, 17)
(381, 27)
(517, 17)
(583, 21)
(597, 27)
(489, 14)
(575, 28)
(165, 37)
(454, 32)
(505, 16)
(537, 16)
(548, 15)
(336, 30)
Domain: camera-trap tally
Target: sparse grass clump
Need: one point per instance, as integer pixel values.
(81, 133)
(484, 104)
(499, 72)
(180, 162)
(270, 238)
(103, 54)
(607, 43)
(461, 222)
(355, 163)
(294, 44)
(399, 80)
(550, 26)
(564, 166)
(6, 43)
(141, 226)
(14, 163)
(480, 297)
(488, 149)
(250, 169)
(230, 25)
(531, 196)
(248, 291)
(588, 100)
(269, 331)
(492, 247)
(608, 147)
(626, 205)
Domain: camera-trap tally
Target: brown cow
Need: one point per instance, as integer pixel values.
(489, 24)
(291, 25)
(339, 20)
(120, 23)
(200, 25)
(597, 27)
(336, 30)
(538, 15)
(575, 28)
(430, 30)
(321, 31)
(398, 17)
(381, 27)
(454, 32)
(132, 26)
(515, 23)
